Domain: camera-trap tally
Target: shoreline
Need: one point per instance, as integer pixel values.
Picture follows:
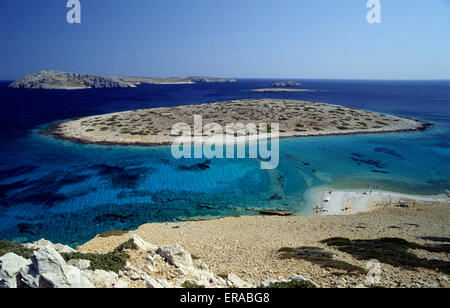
(248, 246)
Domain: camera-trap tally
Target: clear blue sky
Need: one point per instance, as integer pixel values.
(230, 38)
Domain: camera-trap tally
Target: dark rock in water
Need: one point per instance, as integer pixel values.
(122, 177)
(380, 171)
(201, 166)
(276, 197)
(388, 151)
(10, 173)
(112, 217)
(27, 228)
(376, 163)
(275, 213)
(286, 84)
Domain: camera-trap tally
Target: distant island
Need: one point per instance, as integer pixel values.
(287, 86)
(278, 90)
(54, 80)
(296, 119)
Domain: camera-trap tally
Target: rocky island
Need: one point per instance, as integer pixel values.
(54, 80)
(295, 118)
(286, 84)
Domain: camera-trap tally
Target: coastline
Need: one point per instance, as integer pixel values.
(248, 246)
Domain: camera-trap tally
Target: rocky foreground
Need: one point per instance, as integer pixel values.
(169, 266)
(409, 239)
(53, 80)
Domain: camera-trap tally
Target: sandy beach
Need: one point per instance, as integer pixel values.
(248, 246)
(345, 202)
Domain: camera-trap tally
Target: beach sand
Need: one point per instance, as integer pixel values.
(345, 202)
(248, 246)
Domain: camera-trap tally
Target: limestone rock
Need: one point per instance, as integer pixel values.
(237, 282)
(175, 255)
(143, 245)
(102, 279)
(49, 270)
(10, 266)
(121, 284)
(152, 283)
(44, 243)
(201, 265)
(80, 264)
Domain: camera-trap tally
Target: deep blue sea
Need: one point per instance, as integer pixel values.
(68, 192)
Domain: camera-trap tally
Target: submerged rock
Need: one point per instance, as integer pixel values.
(275, 213)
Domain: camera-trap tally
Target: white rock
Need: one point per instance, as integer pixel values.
(103, 279)
(201, 265)
(165, 284)
(181, 272)
(63, 248)
(143, 245)
(44, 243)
(10, 266)
(80, 264)
(175, 255)
(28, 277)
(152, 283)
(49, 270)
(121, 284)
(238, 282)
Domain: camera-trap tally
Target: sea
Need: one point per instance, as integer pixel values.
(68, 192)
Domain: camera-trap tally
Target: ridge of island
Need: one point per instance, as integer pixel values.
(54, 80)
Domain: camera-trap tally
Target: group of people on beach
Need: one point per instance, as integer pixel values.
(320, 209)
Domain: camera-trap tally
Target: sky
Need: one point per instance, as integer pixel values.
(228, 38)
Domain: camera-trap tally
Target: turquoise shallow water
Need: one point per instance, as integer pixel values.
(68, 192)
